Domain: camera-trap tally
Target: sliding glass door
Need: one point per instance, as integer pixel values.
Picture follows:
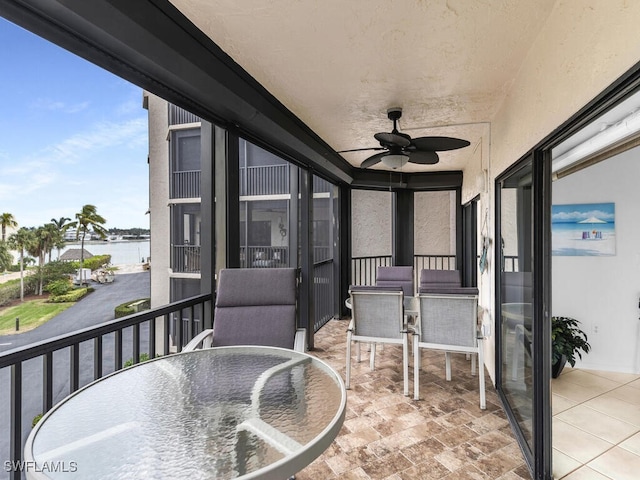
(522, 320)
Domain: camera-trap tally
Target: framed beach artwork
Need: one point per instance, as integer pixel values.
(583, 229)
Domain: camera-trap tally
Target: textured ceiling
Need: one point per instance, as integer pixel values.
(340, 64)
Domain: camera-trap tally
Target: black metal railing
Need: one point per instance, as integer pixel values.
(511, 263)
(363, 269)
(40, 372)
(323, 293)
(185, 184)
(186, 259)
(264, 180)
(179, 116)
(264, 257)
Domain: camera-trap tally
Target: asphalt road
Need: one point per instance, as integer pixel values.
(94, 309)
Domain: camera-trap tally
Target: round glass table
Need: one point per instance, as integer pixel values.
(228, 412)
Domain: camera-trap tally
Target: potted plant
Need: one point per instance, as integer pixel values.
(567, 342)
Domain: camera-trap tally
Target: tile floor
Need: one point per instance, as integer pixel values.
(596, 425)
(386, 435)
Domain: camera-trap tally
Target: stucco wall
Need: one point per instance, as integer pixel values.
(434, 223)
(371, 223)
(583, 47)
(158, 199)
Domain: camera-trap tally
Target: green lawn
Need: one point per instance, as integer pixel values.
(32, 313)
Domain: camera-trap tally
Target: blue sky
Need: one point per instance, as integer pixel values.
(71, 134)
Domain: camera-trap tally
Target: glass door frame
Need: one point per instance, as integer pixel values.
(538, 455)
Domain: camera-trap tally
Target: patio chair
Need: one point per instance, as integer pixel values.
(254, 306)
(448, 321)
(439, 279)
(377, 316)
(396, 276)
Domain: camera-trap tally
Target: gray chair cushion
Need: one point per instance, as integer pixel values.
(439, 278)
(517, 287)
(256, 307)
(446, 290)
(392, 276)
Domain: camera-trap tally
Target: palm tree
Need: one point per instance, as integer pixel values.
(88, 221)
(21, 241)
(62, 226)
(45, 238)
(6, 259)
(7, 220)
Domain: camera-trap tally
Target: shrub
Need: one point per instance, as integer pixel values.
(9, 291)
(143, 358)
(73, 296)
(93, 263)
(128, 308)
(36, 419)
(58, 287)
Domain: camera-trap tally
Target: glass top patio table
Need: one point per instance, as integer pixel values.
(227, 412)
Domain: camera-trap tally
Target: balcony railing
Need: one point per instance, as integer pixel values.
(323, 291)
(179, 116)
(264, 180)
(186, 259)
(27, 373)
(185, 184)
(363, 269)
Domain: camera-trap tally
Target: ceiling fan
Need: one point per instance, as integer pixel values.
(400, 148)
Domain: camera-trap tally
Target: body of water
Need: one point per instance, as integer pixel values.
(123, 252)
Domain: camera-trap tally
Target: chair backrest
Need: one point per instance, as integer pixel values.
(439, 279)
(255, 306)
(377, 311)
(449, 316)
(396, 276)
(517, 287)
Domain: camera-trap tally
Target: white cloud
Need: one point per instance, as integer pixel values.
(103, 135)
(52, 105)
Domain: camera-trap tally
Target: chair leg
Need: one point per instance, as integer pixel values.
(416, 368)
(405, 363)
(372, 357)
(447, 363)
(483, 399)
(358, 352)
(348, 374)
(473, 364)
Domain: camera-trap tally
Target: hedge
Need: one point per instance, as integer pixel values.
(72, 296)
(128, 308)
(94, 262)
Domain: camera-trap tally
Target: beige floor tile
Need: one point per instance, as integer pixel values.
(563, 464)
(616, 408)
(626, 393)
(599, 424)
(587, 379)
(574, 392)
(635, 384)
(576, 443)
(632, 444)
(585, 473)
(618, 464)
(621, 378)
(560, 404)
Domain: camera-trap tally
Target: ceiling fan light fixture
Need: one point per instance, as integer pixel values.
(395, 160)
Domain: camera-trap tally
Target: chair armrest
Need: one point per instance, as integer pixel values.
(205, 337)
(300, 341)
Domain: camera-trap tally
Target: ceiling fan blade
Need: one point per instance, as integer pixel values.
(423, 157)
(393, 139)
(439, 144)
(372, 160)
(361, 149)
